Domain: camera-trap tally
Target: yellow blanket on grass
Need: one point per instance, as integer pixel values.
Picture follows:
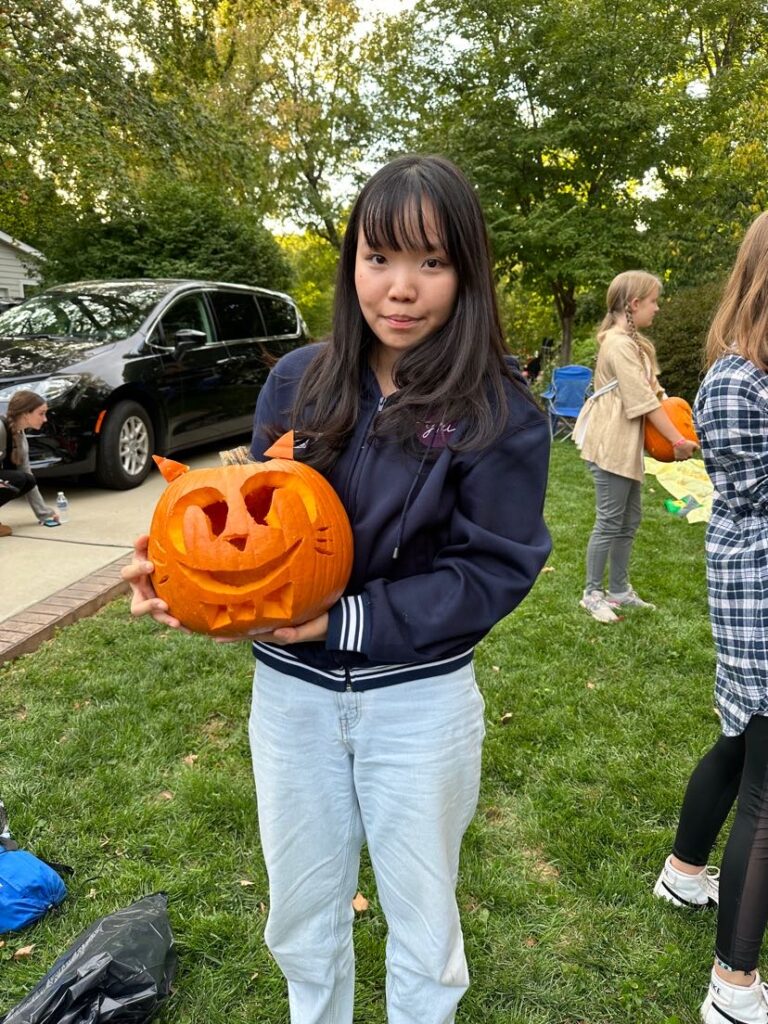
(682, 479)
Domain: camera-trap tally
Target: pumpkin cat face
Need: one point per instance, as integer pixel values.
(248, 547)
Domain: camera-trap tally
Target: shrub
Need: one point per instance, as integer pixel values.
(679, 333)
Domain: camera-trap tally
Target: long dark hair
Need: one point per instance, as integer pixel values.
(20, 404)
(454, 375)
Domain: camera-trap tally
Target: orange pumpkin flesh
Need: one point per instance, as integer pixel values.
(681, 414)
(249, 547)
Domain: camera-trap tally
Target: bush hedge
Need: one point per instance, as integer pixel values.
(679, 333)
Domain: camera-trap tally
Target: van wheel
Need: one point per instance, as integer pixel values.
(124, 456)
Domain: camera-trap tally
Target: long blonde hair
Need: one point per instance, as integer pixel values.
(741, 321)
(632, 284)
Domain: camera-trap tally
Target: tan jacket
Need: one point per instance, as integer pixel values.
(613, 437)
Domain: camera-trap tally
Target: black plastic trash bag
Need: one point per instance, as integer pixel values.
(119, 970)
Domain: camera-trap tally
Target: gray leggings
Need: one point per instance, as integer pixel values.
(619, 509)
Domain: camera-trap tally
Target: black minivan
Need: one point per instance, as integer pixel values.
(130, 368)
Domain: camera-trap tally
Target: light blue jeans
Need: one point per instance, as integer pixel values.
(398, 768)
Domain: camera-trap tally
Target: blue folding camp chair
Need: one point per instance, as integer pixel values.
(565, 397)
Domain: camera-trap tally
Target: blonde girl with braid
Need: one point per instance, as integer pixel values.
(609, 432)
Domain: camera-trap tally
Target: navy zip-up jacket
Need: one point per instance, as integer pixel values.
(444, 546)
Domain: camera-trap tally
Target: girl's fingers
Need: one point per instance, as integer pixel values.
(136, 570)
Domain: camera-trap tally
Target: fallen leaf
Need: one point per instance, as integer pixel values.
(530, 942)
(506, 718)
(190, 758)
(2, 943)
(360, 903)
(166, 795)
(496, 668)
(262, 908)
(590, 685)
(20, 714)
(548, 568)
(91, 894)
(244, 882)
(23, 951)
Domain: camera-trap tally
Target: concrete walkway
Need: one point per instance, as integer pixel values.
(53, 576)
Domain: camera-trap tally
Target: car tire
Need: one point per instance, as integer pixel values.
(126, 442)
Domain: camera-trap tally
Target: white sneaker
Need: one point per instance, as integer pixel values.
(628, 599)
(735, 1004)
(597, 606)
(694, 891)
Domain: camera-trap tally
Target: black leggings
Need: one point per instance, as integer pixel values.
(736, 765)
(20, 482)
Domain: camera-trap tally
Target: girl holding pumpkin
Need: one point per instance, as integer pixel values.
(609, 431)
(367, 723)
(731, 412)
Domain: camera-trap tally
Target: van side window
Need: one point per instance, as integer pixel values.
(188, 313)
(279, 317)
(237, 316)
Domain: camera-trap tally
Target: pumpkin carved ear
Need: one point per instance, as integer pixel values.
(170, 469)
(282, 448)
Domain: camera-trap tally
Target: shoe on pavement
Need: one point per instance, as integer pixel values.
(735, 1004)
(5, 531)
(628, 599)
(694, 891)
(596, 604)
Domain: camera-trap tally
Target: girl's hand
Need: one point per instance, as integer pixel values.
(315, 629)
(144, 600)
(685, 450)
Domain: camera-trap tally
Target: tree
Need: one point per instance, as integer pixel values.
(576, 121)
(298, 93)
(313, 262)
(174, 230)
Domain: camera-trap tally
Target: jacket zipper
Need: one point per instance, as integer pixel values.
(348, 676)
(361, 454)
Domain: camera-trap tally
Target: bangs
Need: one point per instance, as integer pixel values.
(394, 218)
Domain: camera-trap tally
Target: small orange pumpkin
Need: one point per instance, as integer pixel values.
(681, 414)
(242, 548)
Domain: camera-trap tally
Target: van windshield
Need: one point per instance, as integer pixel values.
(98, 312)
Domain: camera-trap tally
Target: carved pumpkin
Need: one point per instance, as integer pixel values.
(241, 548)
(681, 414)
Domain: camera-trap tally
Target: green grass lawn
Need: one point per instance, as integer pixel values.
(125, 754)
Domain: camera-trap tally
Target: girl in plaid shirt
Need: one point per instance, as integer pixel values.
(731, 412)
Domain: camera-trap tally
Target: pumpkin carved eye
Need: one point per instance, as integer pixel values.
(258, 503)
(217, 516)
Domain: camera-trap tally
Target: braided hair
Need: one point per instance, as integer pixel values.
(632, 284)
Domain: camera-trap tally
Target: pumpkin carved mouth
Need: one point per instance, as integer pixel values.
(238, 580)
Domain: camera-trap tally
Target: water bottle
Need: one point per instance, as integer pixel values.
(62, 507)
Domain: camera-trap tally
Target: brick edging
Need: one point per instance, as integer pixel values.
(27, 630)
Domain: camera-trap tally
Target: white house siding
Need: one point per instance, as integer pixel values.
(15, 274)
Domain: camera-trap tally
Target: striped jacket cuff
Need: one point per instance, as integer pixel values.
(349, 625)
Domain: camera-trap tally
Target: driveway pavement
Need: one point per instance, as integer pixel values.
(53, 576)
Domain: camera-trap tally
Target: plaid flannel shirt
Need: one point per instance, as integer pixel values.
(731, 414)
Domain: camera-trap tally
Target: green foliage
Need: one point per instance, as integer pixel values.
(175, 230)
(313, 262)
(526, 318)
(126, 755)
(679, 333)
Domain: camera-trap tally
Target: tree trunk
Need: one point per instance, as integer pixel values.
(565, 303)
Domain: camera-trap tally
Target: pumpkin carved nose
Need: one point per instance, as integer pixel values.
(237, 540)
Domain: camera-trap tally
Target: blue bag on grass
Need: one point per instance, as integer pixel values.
(28, 888)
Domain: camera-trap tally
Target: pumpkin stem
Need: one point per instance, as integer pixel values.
(169, 468)
(282, 448)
